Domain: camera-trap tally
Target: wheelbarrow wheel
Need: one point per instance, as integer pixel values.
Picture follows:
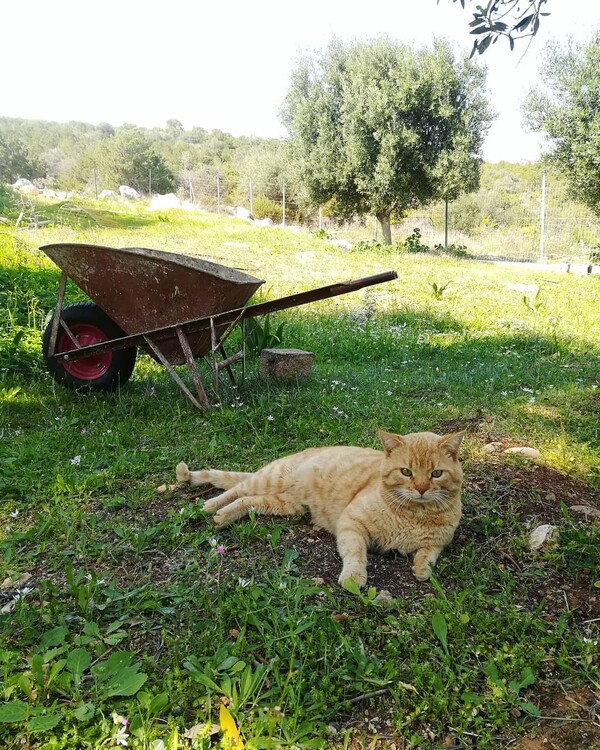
(105, 371)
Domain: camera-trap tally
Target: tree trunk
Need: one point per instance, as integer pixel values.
(386, 230)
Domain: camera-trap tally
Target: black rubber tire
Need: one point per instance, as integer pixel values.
(115, 367)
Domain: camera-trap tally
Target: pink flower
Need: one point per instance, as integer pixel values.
(221, 549)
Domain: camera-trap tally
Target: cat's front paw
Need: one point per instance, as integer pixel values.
(222, 519)
(422, 572)
(356, 574)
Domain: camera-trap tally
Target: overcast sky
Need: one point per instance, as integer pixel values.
(227, 64)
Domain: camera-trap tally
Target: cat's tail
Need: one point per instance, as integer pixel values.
(223, 479)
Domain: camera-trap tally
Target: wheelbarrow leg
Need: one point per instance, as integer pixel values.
(163, 360)
(57, 310)
(189, 358)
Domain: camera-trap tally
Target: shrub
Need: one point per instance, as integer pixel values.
(265, 208)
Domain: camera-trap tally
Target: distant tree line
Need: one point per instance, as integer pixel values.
(375, 128)
(82, 157)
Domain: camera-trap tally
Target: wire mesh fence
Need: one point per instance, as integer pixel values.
(534, 222)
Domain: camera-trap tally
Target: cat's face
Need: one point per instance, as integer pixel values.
(421, 467)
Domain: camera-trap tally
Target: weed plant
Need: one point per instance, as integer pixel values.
(126, 620)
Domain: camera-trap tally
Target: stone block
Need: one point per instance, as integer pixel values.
(285, 364)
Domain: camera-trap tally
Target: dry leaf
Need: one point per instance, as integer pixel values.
(229, 728)
(341, 617)
(163, 488)
(11, 583)
(8, 608)
(408, 686)
(543, 535)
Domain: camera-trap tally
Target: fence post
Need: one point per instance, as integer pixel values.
(251, 195)
(543, 217)
(218, 195)
(320, 217)
(150, 182)
(446, 224)
(283, 204)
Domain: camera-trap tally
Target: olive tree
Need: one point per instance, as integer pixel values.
(513, 19)
(567, 109)
(380, 127)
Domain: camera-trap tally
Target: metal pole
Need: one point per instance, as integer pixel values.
(251, 195)
(446, 225)
(150, 182)
(218, 195)
(283, 205)
(543, 217)
(320, 217)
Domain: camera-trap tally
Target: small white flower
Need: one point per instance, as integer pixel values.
(242, 582)
(14, 514)
(120, 737)
(76, 461)
(270, 418)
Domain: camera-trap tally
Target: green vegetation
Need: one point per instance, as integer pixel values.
(567, 109)
(126, 618)
(378, 127)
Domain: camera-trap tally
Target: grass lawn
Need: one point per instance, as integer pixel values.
(126, 619)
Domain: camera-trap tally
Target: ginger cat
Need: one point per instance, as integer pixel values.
(405, 498)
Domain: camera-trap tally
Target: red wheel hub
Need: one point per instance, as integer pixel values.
(88, 368)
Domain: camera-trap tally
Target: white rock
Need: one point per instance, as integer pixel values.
(107, 194)
(543, 535)
(344, 244)
(523, 450)
(163, 202)
(128, 192)
(384, 597)
(241, 213)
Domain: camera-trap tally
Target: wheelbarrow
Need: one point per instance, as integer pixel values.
(175, 307)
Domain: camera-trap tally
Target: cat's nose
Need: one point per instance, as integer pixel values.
(421, 488)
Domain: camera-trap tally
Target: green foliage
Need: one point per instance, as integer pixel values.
(413, 243)
(141, 619)
(512, 19)
(437, 290)
(259, 336)
(265, 208)
(567, 109)
(361, 118)
(533, 300)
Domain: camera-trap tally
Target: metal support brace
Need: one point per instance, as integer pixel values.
(189, 358)
(57, 310)
(163, 360)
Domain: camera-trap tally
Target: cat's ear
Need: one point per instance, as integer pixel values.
(451, 443)
(389, 441)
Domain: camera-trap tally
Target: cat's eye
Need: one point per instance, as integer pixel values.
(436, 473)
(406, 472)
